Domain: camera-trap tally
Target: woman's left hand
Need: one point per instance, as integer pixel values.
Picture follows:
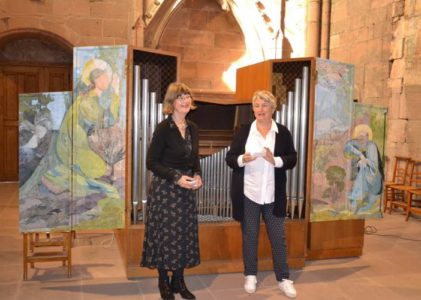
(197, 183)
(269, 156)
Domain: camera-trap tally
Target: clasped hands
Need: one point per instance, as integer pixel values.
(363, 162)
(190, 183)
(268, 156)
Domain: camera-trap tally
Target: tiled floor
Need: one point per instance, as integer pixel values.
(390, 268)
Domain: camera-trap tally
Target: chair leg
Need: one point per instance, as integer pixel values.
(31, 241)
(391, 199)
(25, 255)
(408, 205)
(386, 199)
(69, 238)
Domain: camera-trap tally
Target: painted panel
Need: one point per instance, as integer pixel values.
(72, 149)
(43, 206)
(349, 138)
(365, 152)
(98, 137)
(332, 124)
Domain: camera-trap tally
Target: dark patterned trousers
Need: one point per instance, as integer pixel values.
(250, 227)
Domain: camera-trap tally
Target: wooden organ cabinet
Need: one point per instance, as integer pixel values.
(149, 73)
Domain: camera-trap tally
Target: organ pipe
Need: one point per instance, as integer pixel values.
(136, 170)
(144, 146)
(303, 141)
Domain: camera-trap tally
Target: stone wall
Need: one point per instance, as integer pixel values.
(381, 39)
(80, 22)
(406, 69)
(208, 39)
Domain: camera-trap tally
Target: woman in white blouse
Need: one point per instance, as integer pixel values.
(259, 155)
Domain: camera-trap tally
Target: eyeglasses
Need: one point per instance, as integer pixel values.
(184, 97)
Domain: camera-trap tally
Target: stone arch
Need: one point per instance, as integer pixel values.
(57, 43)
(255, 38)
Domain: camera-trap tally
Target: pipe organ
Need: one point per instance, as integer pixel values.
(152, 73)
(293, 83)
(213, 200)
(293, 115)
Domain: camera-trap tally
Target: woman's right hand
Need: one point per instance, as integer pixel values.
(247, 157)
(186, 182)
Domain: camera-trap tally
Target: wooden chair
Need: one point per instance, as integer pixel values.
(414, 182)
(51, 248)
(400, 170)
(414, 202)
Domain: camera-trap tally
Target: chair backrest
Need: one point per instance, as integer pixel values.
(400, 169)
(416, 174)
(408, 174)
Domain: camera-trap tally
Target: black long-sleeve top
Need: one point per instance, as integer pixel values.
(167, 150)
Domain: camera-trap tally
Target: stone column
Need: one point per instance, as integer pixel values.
(313, 31)
(325, 32)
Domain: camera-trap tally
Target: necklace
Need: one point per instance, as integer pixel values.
(181, 124)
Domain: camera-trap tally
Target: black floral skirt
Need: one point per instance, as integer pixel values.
(171, 234)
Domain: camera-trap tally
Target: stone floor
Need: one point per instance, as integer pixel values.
(390, 268)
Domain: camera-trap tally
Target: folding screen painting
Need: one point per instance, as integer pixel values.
(365, 152)
(79, 182)
(348, 140)
(99, 131)
(40, 119)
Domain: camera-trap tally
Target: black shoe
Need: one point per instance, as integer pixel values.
(179, 286)
(165, 290)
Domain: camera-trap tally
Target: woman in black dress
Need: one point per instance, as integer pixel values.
(171, 234)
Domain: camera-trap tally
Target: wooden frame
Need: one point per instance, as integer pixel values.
(49, 251)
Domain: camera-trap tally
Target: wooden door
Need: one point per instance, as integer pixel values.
(57, 79)
(13, 81)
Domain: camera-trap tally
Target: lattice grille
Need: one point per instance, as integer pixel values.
(284, 75)
(160, 69)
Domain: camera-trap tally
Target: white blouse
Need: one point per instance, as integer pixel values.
(259, 175)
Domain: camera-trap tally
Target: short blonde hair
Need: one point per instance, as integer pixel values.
(175, 90)
(266, 96)
(362, 128)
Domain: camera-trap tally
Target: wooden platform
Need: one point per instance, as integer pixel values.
(335, 239)
(220, 248)
(220, 245)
